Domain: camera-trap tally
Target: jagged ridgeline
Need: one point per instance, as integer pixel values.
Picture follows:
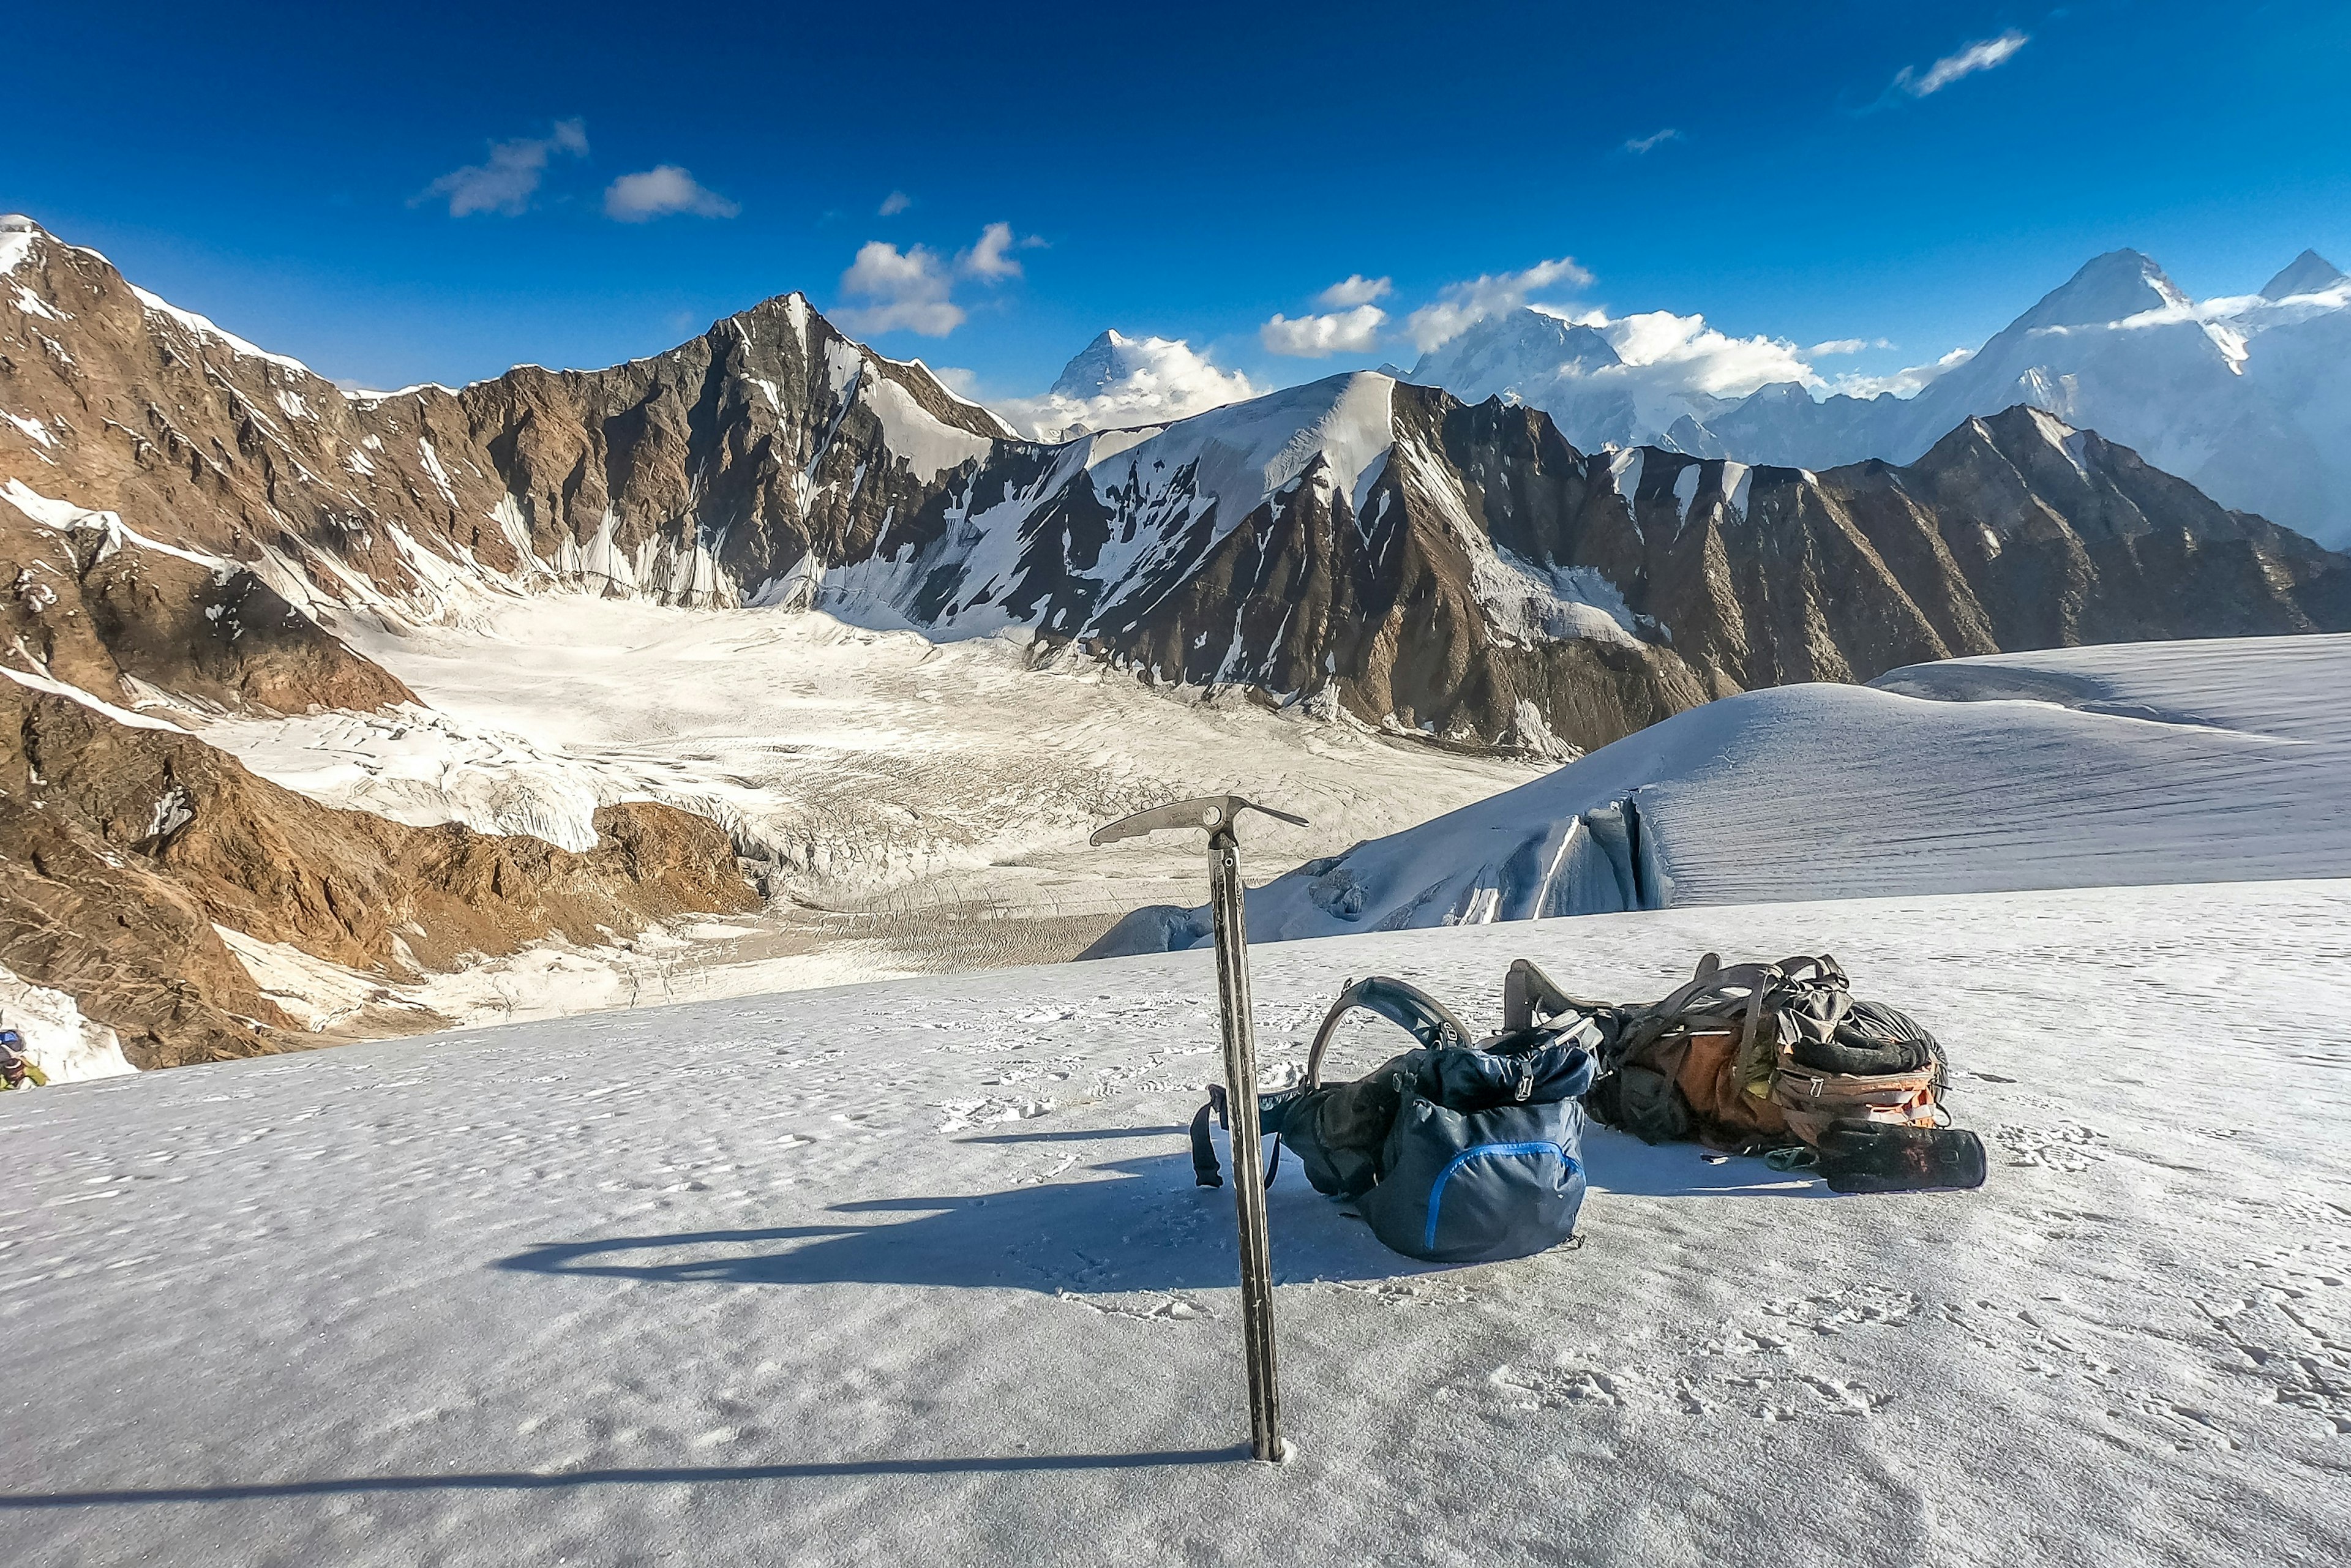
(1357, 544)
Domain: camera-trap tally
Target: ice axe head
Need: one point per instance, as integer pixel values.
(1211, 813)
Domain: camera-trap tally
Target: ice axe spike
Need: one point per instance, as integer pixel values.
(1215, 814)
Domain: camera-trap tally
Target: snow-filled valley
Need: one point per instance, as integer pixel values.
(917, 806)
(917, 1272)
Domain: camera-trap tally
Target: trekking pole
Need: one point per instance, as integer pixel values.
(1216, 814)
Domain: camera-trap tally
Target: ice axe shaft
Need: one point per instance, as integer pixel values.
(1216, 814)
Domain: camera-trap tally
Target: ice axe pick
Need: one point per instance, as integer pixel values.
(1215, 813)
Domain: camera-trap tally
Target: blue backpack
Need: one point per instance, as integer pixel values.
(1457, 1151)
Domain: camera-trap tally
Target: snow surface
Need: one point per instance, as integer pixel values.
(917, 1273)
(860, 758)
(2137, 763)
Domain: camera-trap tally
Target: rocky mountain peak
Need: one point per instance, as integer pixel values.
(1098, 366)
(2308, 272)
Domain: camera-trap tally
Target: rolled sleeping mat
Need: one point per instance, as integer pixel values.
(1881, 1156)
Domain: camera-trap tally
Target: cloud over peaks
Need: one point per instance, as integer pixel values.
(1352, 290)
(990, 257)
(900, 289)
(1355, 332)
(1489, 294)
(506, 182)
(1977, 57)
(913, 289)
(660, 192)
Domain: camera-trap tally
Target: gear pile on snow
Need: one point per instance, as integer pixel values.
(1763, 1058)
(1457, 1151)
(1470, 1151)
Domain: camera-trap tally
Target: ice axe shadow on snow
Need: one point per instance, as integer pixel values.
(1143, 1233)
(1215, 815)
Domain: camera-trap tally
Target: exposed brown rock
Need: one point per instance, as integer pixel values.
(90, 608)
(134, 842)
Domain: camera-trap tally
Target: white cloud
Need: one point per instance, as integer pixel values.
(1652, 141)
(1127, 382)
(1352, 290)
(1355, 332)
(1685, 353)
(990, 257)
(660, 192)
(1901, 384)
(1837, 346)
(912, 291)
(894, 204)
(904, 290)
(1458, 306)
(508, 179)
(1976, 57)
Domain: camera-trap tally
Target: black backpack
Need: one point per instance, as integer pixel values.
(1457, 1151)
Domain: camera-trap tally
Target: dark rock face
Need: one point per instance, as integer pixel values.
(98, 611)
(126, 845)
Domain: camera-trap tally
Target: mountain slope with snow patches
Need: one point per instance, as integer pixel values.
(190, 525)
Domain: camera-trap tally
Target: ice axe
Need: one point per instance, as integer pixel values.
(1215, 813)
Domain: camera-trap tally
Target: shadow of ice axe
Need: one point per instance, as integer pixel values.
(1214, 814)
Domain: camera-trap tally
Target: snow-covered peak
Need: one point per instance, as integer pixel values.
(1508, 354)
(1110, 359)
(1118, 382)
(1247, 450)
(2309, 273)
(2109, 288)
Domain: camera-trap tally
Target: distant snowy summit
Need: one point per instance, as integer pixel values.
(2248, 397)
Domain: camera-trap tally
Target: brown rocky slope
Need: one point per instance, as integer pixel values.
(126, 843)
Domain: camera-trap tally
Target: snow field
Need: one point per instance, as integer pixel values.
(918, 806)
(2138, 763)
(917, 1272)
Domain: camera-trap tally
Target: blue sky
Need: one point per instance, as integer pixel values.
(324, 182)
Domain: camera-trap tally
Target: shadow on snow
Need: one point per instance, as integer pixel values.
(552, 1480)
(1138, 1224)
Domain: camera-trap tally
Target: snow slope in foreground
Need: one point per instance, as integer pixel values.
(917, 1273)
(2134, 764)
